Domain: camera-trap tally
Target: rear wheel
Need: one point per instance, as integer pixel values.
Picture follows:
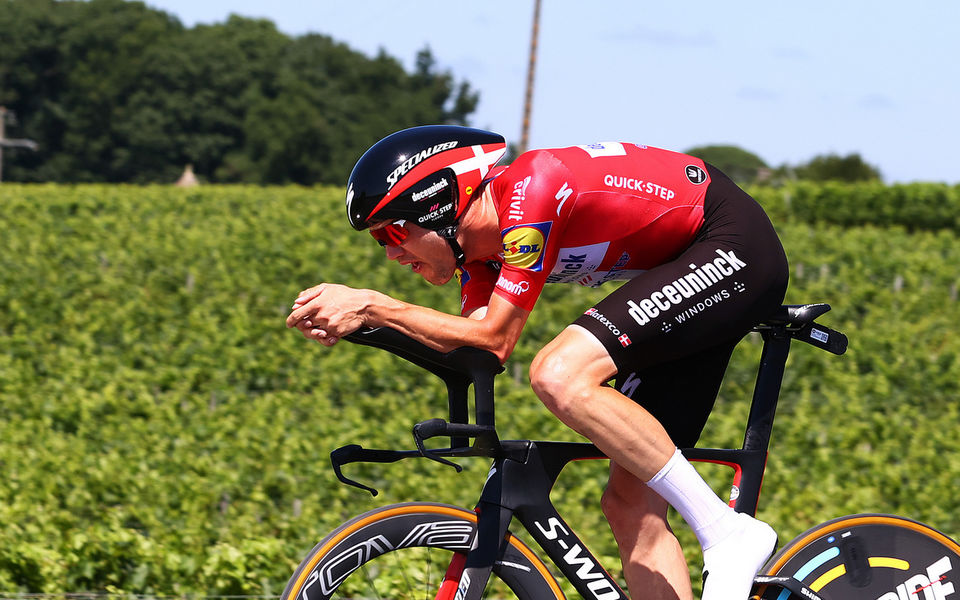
(403, 551)
(869, 557)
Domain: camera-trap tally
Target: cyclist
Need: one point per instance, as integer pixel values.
(702, 262)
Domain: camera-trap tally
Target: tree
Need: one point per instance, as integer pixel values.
(68, 69)
(116, 91)
(456, 102)
(738, 164)
(832, 167)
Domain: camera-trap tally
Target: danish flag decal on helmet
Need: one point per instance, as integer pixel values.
(468, 160)
(482, 160)
(427, 175)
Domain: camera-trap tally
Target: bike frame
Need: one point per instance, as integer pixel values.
(524, 471)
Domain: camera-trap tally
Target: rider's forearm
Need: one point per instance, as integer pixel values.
(440, 330)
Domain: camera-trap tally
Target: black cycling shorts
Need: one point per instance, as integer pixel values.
(671, 330)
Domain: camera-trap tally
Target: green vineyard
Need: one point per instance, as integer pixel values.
(162, 432)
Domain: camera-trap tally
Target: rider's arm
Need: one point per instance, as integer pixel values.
(329, 311)
(495, 327)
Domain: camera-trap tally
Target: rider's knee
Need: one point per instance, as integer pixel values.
(554, 380)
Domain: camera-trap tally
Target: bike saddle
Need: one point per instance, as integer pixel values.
(796, 315)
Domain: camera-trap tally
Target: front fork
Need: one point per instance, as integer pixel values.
(493, 522)
(451, 580)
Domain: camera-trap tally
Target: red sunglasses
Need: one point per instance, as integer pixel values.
(391, 235)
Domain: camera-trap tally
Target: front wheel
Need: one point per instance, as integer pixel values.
(869, 557)
(403, 551)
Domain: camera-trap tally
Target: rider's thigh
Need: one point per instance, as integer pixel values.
(574, 362)
(680, 402)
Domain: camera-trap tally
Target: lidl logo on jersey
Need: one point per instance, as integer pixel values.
(462, 276)
(523, 245)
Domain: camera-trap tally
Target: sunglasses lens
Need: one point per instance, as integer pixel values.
(391, 235)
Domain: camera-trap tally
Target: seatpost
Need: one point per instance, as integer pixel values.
(766, 392)
(756, 439)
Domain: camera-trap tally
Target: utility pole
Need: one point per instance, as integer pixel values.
(531, 68)
(4, 142)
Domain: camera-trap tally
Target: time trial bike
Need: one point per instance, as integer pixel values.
(391, 552)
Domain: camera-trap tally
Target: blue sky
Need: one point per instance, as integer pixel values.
(787, 81)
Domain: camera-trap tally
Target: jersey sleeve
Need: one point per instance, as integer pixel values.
(534, 195)
(477, 280)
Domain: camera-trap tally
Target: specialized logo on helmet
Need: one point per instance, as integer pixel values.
(349, 195)
(416, 159)
(523, 245)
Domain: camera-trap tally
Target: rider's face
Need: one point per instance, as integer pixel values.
(426, 252)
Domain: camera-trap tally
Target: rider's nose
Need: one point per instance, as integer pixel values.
(393, 252)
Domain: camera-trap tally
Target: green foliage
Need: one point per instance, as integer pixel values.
(161, 432)
(832, 167)
(736, 163)
(746, 168)
(929, 206)
(117, 91)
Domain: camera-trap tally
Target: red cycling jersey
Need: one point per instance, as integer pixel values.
(587, 214)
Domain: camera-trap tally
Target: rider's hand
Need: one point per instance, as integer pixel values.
(327, 312)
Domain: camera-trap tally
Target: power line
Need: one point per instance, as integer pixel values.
(531, 68)
(4, 142)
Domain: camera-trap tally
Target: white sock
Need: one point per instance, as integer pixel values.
(682, 487)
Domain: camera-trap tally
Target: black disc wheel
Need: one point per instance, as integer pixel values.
(869, 557)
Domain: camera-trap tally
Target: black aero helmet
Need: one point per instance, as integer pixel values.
(426, 175)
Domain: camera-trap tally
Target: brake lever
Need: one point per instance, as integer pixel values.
(486, 436)
(427, 429)
(486, 439)
(356, 453)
